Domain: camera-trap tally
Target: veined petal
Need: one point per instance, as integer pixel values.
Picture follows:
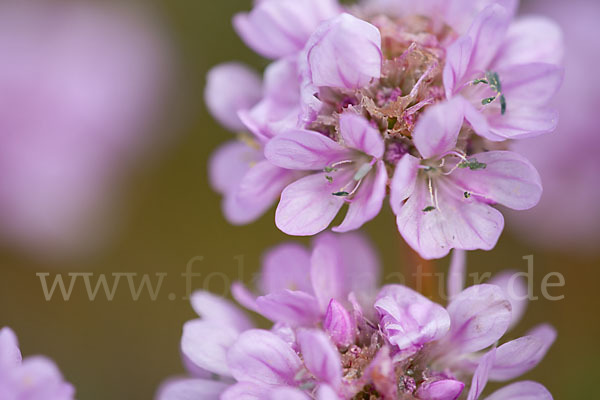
(532, 84)
(305, 150)
(410, 320)
(523, 122)
(321, 357)
(359, 134)
(403, 181)
(205, 345)
(326, 392)
(333, 49)
(487, 34)
(219, 311)
(261, 186)
(524, 390)
(480, 316)
(531, 39)
(508, 179)
(457, 65)
(191, 389)
(437, 130)
(286, 267)
(368, 200)
(290, 307)
(308, 205)
(261, 357)
(455, 222)
(230, 88)
(277, 28)
(519, 356)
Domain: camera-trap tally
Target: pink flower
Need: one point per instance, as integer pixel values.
(398, 344)
(77, 84)
(442, 197)
(352, 173)
(508, 74)
(421, 90)
(35, 378)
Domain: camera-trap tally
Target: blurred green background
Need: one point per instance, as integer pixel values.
(123, 349)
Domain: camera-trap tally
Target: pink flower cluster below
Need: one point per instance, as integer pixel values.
(336, 335)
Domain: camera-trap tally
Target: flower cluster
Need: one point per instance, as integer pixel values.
(336, 335)
(415, 99)
(35, 378)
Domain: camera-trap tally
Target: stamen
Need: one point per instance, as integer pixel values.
(493, 81)
(363, 171)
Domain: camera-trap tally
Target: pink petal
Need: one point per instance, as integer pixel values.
(519, 356)
(515, 288)
(480, 316)
(245, 297)
(191, 389)
(308, 205)
(10, 355)
(403, 181)
(457, 273)
(410, 320)
(261, 186)
(287, 393)
(487, 34)
(326, 392)
(342, 264)
(437, 130)
(290, 307)
(339, 325)
(508, 179)
(261, 357)
(458, 223)
(525, 390)
(286, 267)
(230, 88)
(368, 200)
(219, 311)
(523, 122)
(333, 49)
(305, 150)
(530, 85)
(531, 39)
(246, 391)
(320, 356)
(457, 65)
(444, 389)
(359, 134)
(277, 28)
(229, 163)
(479, 122)
(205, 345)
(480, 378)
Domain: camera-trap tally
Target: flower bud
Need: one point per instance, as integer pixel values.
(339, 324)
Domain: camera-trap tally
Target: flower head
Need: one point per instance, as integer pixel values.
(31, 378)
(414, 98)
(337, 337)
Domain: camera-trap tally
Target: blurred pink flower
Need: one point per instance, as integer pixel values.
(568, 214)
(79, 84)
(34, 378)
